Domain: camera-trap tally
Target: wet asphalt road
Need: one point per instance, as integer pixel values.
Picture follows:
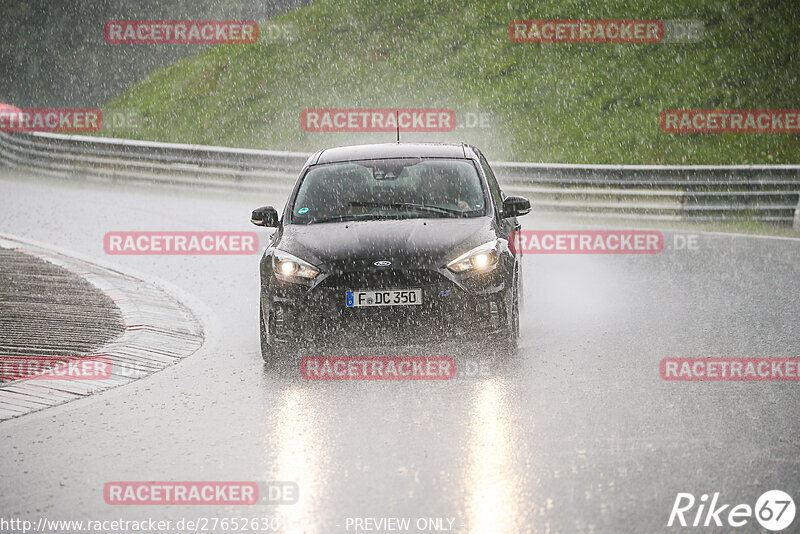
(577, 434)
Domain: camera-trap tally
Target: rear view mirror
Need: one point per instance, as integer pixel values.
(264, 216)
(515, 207)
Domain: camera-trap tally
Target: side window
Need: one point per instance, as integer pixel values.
(494, 189)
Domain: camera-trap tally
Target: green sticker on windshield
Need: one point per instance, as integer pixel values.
(302, 210)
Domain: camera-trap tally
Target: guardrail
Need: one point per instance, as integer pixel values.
(696, 192)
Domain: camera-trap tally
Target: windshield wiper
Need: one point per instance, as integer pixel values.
(347, 217)
(422, 207)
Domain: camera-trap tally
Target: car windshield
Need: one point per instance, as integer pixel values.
(389, 189)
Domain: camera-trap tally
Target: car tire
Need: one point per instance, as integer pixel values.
(270, 351)
(511, 331)
(267, 353)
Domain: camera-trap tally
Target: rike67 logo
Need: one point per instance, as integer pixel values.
(774, 511)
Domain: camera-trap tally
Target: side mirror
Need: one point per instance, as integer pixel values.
(264, 216)
(516, 206)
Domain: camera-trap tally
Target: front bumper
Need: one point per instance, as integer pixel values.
(463, 307)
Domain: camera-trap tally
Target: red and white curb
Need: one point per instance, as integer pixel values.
(159, 332)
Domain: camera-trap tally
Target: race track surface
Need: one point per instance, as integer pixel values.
(578, 433)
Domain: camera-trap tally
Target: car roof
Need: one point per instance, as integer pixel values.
(391, 150)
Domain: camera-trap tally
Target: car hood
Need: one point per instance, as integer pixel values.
(412, 243)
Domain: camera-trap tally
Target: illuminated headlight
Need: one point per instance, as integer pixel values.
(479, 259)
(288, 266)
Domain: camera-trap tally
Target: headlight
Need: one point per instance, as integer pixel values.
(479, 259)
(288, 266)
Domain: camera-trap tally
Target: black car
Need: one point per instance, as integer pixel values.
(391, 242)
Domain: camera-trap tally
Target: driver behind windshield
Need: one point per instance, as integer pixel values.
(444, 185)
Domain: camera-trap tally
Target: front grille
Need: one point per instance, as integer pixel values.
(383, 279)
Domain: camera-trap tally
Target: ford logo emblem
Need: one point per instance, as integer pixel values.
(382, 263)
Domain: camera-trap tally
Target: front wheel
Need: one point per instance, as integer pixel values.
(266, 350)
(271, 350)
(511, 331)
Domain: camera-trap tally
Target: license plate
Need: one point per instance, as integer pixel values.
(384, 297)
